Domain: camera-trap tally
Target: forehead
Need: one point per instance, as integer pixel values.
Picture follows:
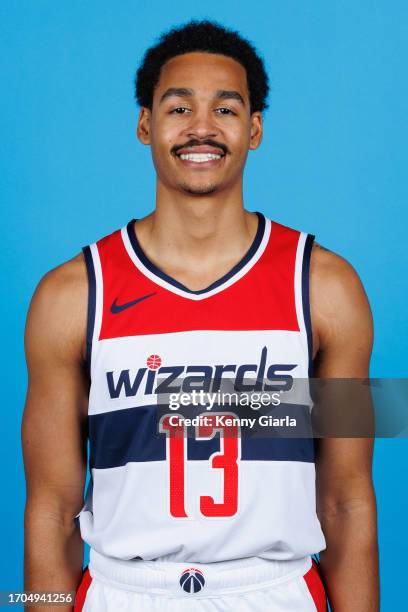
(203, 72)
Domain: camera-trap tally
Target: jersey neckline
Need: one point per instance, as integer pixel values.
(237, 271)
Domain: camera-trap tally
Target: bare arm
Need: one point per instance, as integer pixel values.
(54, 431)
(343, 332)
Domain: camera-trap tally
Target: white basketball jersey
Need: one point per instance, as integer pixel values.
(214, 494)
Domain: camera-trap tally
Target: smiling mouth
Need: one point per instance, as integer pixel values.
(200, 158)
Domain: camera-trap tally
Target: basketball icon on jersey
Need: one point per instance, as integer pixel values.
(153, 362)
(192, 580)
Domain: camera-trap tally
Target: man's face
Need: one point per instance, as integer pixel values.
(200, 127)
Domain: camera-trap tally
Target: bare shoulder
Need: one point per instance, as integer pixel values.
(58, 310)
(339, 304)
(65, 282)
(333, 276)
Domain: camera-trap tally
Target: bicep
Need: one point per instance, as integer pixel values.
(341, 318)
(54, 420)
(342, 321)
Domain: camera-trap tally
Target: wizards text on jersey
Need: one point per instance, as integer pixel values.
(186, 378)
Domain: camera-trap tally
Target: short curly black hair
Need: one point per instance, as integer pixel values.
(209, 37)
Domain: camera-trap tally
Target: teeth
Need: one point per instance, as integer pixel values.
(199, 157)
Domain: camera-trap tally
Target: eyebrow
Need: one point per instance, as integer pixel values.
(225, 94)
(185, 92)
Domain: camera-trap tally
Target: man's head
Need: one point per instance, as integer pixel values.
(202, 90)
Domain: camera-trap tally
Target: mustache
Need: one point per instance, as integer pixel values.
(196, 143)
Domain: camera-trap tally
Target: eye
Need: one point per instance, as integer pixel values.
(225, 111)
(179, 110)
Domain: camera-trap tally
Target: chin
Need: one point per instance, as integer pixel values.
(199, 189)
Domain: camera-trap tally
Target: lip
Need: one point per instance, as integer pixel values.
(211, 163)
(201, 149)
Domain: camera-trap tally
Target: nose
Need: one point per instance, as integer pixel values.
(202, 125)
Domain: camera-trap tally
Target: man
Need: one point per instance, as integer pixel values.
(198, 290)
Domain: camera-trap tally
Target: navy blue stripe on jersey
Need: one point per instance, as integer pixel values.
(91, 304)
(257, 449)
(131, 434)
(155, 270)
(306, 297)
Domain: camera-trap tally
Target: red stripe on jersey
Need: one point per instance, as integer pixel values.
(316, 588)
(82, 590)
(263, 298)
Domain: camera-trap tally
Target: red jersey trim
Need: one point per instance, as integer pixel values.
(130, 303)
(82, 590)
(316, 588)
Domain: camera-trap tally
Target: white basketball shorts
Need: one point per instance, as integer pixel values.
(243, 585)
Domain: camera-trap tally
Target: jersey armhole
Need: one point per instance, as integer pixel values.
(306, 298)
(302, 297)
(90, 324)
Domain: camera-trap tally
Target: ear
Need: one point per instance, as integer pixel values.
(143, 126)
(256, 130)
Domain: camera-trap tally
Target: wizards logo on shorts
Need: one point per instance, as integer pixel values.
(192, 580)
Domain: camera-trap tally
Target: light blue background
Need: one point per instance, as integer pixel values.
(331, 163)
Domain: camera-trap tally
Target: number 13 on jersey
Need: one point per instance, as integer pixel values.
(227, 459)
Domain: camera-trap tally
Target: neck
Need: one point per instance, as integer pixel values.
(198, 219)
(197, 233)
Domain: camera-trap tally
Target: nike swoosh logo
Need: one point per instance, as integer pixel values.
(116, 308)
